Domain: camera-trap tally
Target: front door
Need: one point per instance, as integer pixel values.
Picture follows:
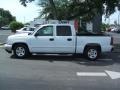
(43, 41)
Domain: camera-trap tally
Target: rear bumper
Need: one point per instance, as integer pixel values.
(8, 48)
(108, 49)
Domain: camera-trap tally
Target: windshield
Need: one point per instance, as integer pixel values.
(34, 30)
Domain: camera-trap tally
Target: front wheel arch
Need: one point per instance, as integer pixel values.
(21, 44)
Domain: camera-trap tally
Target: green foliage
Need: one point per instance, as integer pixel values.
(104, 27)
(71, 9)
(15, 25)
(50, 12)
(24, 2)
(5, 17)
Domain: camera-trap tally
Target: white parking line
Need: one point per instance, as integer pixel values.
(91, 74)
(111, 74)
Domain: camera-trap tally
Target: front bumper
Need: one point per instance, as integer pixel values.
(8, 48)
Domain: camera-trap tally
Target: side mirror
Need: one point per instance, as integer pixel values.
(36, 34)
(29, 33)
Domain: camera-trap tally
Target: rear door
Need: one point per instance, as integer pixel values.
(64, 39)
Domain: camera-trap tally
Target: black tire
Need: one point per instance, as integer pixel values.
(92, 56)
(25, 51)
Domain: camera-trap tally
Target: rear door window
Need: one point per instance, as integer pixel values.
(64, 31)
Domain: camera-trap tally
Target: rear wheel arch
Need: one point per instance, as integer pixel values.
(92, 51)
(95, 45)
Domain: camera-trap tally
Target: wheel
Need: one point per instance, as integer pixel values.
(92, 53)
(20, 51)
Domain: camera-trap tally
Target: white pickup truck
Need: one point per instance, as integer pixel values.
(58, 39)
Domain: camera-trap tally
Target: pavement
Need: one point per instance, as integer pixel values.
(45, 72)
(3, 35)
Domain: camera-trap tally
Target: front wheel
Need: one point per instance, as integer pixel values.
(92, 53)
(20, 51)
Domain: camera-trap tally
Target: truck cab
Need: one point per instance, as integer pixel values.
(58, 39)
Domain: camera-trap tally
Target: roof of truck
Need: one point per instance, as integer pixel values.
(57, 24)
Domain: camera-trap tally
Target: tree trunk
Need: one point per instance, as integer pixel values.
(97, 22)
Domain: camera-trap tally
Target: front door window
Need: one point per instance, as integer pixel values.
(45, 31)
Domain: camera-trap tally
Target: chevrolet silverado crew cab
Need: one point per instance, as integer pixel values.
(58, 39)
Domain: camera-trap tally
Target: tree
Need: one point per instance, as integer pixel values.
(72, 9)
(88, 8)
(52, 4)
(15, 25)
(5, 17)
(104, 26)
(60, 11)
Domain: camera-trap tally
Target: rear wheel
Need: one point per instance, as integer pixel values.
(20, 51)
(92, 53)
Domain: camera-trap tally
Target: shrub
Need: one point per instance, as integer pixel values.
(15, 25)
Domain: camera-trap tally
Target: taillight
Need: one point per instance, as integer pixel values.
(111, 41)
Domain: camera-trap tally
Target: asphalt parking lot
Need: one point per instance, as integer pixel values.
(46, 72)
(41, 72)
(3, 35)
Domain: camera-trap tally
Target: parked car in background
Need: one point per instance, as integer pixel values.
(25, 30)
(6, 27)
(108, 30)
(118, 31)
(114, 30)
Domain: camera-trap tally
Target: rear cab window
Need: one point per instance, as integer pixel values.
(63, 31)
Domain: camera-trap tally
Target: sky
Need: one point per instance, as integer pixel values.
(22, 14)
(26, 14)
(114, 17)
